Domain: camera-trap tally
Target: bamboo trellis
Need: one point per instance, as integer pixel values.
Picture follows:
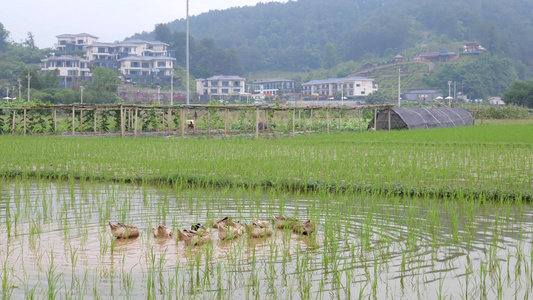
(130, 112)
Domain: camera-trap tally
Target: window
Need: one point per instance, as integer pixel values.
(146, 73)
(145, 65)
(225, 83)
(358, 85)
(237, 90)
(236, 83)
(161, 64)
(225, 91)
(351, 85)
(135, 64)
(214, 83)
(362, 92)
(214, 91)
(134, 72)
(101, 50)
(80, 42)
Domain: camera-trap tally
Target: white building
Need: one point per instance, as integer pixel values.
(73, 42)
(221, 86)
(138, 61)
(350, 86)
(70, 68)
(146, 69)
(272, 86)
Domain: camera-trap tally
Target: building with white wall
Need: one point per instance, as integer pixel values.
(70, 68)
(138, 61)
(272, 86)
(74, 42)
(221, 86)
(351, 87)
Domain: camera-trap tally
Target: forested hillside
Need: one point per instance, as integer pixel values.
(294, 36)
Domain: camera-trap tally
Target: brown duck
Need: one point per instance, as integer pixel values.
(123, 231)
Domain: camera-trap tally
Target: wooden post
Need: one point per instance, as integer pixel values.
(54, 113)
(14, 118)
(311, 122)
(130, 119)
(294, 119)
(122, 122)
(389, 117)
(182, 117)
(81, 120)
(95, 114)
(305, 125)
(135, 125)
(299, 119)
(24, 121)
(257, 123)
(327, 120)
(169, 119)
(375, 118)
(265, 123)
(360, 129)
(73, 120)
(340, 114)
(208, 122)
(226, 117)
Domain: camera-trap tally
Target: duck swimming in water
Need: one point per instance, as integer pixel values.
(197, 235)
(283, 222)
(224, 222)
(259, 229)
(161, 232)
(123, 231)
(304, 228)
(228, 232)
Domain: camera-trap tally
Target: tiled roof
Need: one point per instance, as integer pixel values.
(64, 58)
(146, 58)
(337, 80)
(75, 35)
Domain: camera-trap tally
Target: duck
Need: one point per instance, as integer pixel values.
(231, 231)
(123, 231)
(197, 235)
(224, 222)
(259, 229)
(304, 227)
(161, 232)
(283, 222)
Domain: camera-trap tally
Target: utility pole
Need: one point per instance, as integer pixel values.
(29, 79)
(20, 88)
(187, 52)
(81, 89)
(7, 94)
(399, 86)
(172, 86)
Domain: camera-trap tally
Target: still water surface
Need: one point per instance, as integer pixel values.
(55, 242)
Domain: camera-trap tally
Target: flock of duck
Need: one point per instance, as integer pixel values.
(227, 229)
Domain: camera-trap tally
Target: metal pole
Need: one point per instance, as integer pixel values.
(399, 86)
(187, 52)
(82, 88)
(29, 79)
(172, 87)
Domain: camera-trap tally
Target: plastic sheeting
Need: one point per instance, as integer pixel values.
(423, 117)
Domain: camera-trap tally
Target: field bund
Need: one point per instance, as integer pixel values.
(489, 161)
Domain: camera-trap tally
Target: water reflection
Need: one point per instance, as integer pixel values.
(54, 240)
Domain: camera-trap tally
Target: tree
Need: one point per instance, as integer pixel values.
(105, 85)
(4, 38)
(330, 57)
(520, 93)
(377, 97)
(162, 33)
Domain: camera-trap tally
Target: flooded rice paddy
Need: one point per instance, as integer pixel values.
(55, 243)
